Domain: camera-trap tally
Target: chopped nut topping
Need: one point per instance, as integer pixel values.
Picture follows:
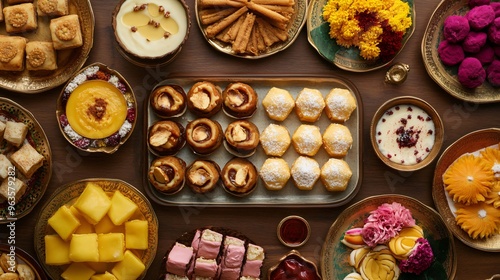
(236, 98)
(167, 14)
(66, 30)
(160, 175)
(200, 133)
(36, 57)
(239, 133)
(160, 138)
(47, 6)
(166, 34)
(161, 9)
(133, 29)
(200, 100)
(200, 177)
(18, 17)
(7, 52)
(98, 109)
(241, 176)
(165, 102)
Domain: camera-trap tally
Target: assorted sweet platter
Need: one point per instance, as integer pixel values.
(38, 182)
(69, 61)
(289, 195)
(468, 144)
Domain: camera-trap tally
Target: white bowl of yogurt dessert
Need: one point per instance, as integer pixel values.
(151, 32)
(406, 133)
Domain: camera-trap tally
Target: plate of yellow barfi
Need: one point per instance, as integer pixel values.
(25, 161)
(44, 43)
(96, 227)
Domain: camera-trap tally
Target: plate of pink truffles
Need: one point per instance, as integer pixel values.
(461, 49)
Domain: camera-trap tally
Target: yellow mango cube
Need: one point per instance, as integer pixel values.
(122, 208)
(93, 203)
(64, 222)
(104, 276)
(100, 267)
(111, 247)
(77, 271)
(84, 248)
(131, 267)
(136, 234)
(56, 250)
(105, 225)
(85, 226)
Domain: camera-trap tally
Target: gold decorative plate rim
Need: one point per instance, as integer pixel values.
(70, 191)
(38, 137)
(468, 143)
(32, 83)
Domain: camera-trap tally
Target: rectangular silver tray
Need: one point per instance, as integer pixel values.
(289, 196)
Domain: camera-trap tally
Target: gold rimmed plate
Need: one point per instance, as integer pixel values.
(446, 76)
(345, 58)
(68, 61)
(335, 255)
(295, 25)
(67, 195)
(22, 257)
(37, 184)
(469, 143)
(109, 144)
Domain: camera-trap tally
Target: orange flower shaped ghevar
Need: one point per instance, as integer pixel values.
(479, 220)
(492, 156)
(493, 197)
(469, 179)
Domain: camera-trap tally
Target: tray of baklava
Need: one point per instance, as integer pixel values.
(280, 141)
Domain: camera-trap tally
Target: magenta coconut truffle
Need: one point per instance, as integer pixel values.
(474, 41)
(450, 54)
(455, 28)
(471, 73)
(493, 73)
(480, 17)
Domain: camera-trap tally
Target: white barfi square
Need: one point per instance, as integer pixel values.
(15, 132)
(27, 160)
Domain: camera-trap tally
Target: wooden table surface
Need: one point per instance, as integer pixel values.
(198, 58)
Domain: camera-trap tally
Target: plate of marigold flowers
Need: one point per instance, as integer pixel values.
(360, 35)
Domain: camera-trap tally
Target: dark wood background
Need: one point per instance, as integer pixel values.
(198, 58)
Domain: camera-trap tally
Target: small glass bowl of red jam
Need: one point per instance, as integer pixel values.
(293, 231)
(294, 266)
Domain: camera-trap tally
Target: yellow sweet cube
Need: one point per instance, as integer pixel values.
(84, 248)
(131, 267)
(100, 267)
(105, 225)
(93, 203)
(122, 208)
(136, 234)
(85, 226)
(105, 276)
(56, 250)
(64, 222)
(77, 271)
(111, 247)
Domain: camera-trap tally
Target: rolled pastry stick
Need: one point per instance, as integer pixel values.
(252, 43)
(274, 2)
(230, 36)
(280, 9)
(274, 16)
(230, 3)
(209, 16)
(241, 41)
(268, 37)
(217, 27)
(282, 35)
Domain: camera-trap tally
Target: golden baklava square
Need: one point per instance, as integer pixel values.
(52, 7)
(20, 18)
(66, 32)
(40, 56)
(12, 53)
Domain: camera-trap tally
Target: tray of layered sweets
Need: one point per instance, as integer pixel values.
(43, 43)
(253, 141)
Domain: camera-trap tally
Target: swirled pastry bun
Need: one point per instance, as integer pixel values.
(168, 101)
(204, 99)
(239, 100)
(167, 174)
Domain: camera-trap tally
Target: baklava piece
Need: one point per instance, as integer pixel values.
(204, 135)
(66, 32)
(20, 18)
(40, 56)
(339, 105)
(15, 132)
(168, 101)
(239, 100)
(335, 175)
(305, 173)
(241, 138)
(275, 140)
(278, 104)
(204, 99)
(309, 105)
(337, 140)
(6, 167)
(12, 53)
(202, 175)
(307, 140)
(167, 174)
(10, 188)
(27, 160)
(52, 7)
(239, 176)
(166, 138)
(275, 173)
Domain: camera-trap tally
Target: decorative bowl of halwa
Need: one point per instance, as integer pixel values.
(406, 133)
(149, 33)
(96, 109)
